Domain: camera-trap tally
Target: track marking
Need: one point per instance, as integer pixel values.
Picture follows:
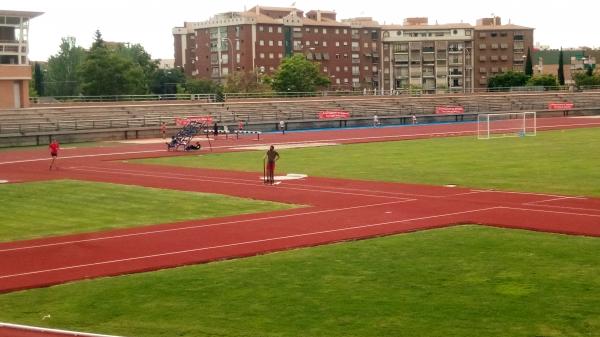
(225, 180)
(553, 199)
(80, 156)
(145, 257)
(331, 188)
(530, 193)
(204, 226)
(548, 211)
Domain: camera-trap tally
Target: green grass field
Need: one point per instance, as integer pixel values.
(42, 209)
(461, 281)
(563, 162)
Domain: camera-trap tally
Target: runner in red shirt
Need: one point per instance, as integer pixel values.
(54, 146)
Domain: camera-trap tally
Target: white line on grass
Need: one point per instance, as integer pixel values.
(53, 331)
(241, 243)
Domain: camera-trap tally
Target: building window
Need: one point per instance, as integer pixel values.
(324, 30)
(337, 31)
(262, 55)
(324, 43)
(365, 45)
(337, 68)
(271, 43)
(316, 30)
(337, 43)
(467, 32)
(366, 68)
(261, 42)
(482, 46)
(271, 56)
(280, 43)
(345, 43)
(307, 29)
(345, 31)
(280, 55)
(307, 43)
(278, 29)
(337, 56)
(270, 29)
(261, 28)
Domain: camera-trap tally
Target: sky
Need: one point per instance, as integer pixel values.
(149, 22)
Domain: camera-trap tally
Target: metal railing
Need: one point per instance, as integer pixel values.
(124, 98)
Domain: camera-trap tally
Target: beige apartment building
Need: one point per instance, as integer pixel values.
(434, 58)
(357, 53)
(15, 71)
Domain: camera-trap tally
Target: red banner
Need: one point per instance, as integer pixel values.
(185, 121)
(333, 114)
(449, 109)
(561, 106)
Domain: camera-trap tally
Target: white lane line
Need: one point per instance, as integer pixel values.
(289, 184)
(227, 181)
(553, 199)
(160, 231)
(548, 211)
(79, 156)
(145, 257)
(530, 193)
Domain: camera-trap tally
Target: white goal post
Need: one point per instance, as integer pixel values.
(510, 124)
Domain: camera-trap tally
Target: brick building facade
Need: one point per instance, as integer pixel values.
(356, 53)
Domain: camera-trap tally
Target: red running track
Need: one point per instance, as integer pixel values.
(336, 209)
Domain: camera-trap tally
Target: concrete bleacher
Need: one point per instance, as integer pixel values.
(263, 115)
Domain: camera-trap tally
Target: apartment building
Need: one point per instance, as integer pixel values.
(356, 53)
(434, 58)
(258, 39)
(15, 71)
(499, 48)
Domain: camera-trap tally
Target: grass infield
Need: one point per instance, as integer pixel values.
(40, 209)
(563, 162)
(461, 281)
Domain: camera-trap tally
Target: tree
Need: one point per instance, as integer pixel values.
(166, 81)
(138, 55)
(106, 72)
(506, 80)
(38, 78)
(582, 79)
(561, 70)
(244, 81)
(202, 86)
(62, 77)
(528, 63)
(297, 74)
(544, 80)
